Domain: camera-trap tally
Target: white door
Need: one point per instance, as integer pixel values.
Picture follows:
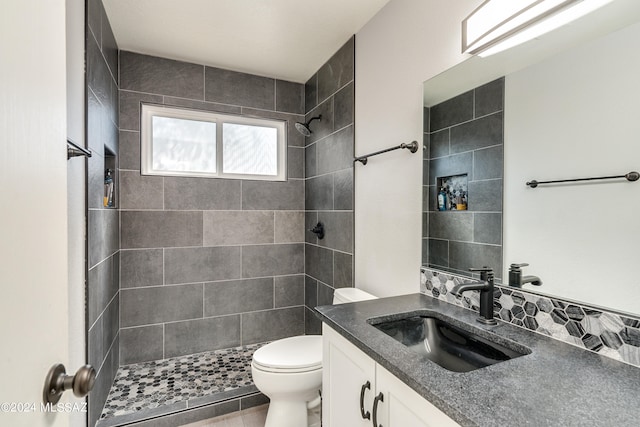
(76, 194)
(36, 301)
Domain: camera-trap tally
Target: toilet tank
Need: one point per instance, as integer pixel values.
(344, 295)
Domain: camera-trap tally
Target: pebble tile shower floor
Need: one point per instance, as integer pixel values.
(151, 385)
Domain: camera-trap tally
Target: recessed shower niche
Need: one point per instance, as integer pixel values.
(110, 168)
(453, 193)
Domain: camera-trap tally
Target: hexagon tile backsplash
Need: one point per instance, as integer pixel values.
(606, 333)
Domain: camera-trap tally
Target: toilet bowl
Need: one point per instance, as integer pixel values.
(289, 371)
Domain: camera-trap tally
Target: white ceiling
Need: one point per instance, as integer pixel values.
(283, 39)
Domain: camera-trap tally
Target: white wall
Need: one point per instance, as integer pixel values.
(406, 43)
(576, 115)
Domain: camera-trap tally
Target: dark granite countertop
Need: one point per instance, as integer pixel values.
(557, 384)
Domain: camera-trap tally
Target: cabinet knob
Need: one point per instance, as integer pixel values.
(363, 414)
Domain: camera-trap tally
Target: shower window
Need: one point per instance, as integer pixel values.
(183, 142)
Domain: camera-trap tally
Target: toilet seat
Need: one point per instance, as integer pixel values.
(290, 355)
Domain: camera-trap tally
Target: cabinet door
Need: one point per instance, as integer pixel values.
(403, 407)
(345, 370)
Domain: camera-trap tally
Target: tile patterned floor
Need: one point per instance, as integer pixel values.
(150, 385)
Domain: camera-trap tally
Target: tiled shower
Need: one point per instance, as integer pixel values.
(183, 266)
(207, 263)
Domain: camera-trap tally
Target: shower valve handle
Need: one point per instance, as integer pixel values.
(318, 230)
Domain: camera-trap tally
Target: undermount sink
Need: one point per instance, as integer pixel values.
(447, 345)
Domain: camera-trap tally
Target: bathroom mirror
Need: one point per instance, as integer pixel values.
(571, 110)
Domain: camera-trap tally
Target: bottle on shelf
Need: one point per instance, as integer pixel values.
(442, 199)
(108, 189)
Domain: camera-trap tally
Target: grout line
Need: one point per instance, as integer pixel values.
(240, 275)
(474, 104)
(333, 267)
(274, 294)
(241, 313)
(104, 58)
(330, 96)
(218, 281)
(465, 152)
(119, 79)
(99, 370)
(473, 167)
(327, 136)
(222, 246)
(467, 211)
(467, 121)
(333, 195)
(328, 248)
(241, 107)
(330, 173)
(170, 284)
(274, 227)
(213, 210)
(333, 110)
(105, 310)
(157, 175)
(464, 241)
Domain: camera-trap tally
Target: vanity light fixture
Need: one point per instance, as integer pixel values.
(497, 25)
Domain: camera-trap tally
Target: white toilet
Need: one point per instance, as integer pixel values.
(289, 371)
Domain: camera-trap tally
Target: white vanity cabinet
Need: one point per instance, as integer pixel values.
(356, 391)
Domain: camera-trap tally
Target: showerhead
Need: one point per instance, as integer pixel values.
(304, 129)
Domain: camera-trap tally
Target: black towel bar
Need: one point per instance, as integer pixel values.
(631, 176)
(412, 146)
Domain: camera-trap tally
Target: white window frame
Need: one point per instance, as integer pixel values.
(148, 111)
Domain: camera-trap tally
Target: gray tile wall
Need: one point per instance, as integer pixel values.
(465, 136)
(103, 297)
(207, 263)
(328, 194)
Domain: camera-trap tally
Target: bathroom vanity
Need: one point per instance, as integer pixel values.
(360, 392)
(369, 373)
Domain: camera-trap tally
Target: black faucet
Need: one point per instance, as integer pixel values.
(485, 286)
(516, 279)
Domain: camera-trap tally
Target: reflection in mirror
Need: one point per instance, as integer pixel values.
(572, 115)
(462, 226)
